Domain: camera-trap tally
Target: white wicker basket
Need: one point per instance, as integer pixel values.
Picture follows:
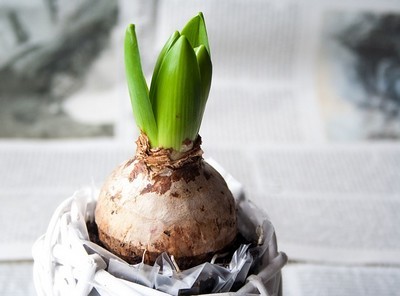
(62, 266)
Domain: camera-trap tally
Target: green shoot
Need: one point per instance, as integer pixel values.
(171, 113)
(138, 90)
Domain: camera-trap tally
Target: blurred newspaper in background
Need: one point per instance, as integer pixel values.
(304, 110)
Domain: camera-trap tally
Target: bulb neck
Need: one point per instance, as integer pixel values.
(161, 160)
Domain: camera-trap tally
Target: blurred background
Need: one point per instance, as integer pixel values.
(61, 74)
(304, 111)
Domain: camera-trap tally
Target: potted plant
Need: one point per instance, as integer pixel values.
(166, 214)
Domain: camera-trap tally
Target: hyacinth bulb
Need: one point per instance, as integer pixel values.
(166, 198)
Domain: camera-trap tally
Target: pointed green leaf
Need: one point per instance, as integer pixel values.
(138, 90)
(205, 66)
(178, 91)
(195, 31)
(160, 59)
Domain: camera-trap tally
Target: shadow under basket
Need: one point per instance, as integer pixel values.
(67, 262)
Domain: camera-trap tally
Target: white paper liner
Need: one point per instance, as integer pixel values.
(66, 262)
